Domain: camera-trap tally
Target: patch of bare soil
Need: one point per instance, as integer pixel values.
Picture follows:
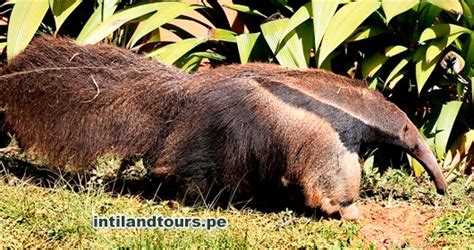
(396, 223)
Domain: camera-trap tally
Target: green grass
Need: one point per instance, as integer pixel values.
(454, 227)
(34, 216)
(31, 215)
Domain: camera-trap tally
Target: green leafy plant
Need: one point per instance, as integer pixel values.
(420, 53)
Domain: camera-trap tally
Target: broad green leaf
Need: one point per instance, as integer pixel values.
(272, 32)
(472, 91)
(154, 37)
(416, 166)
(118, 19)
(397, 69)
(24, 21)
(304, 40)
(62, 9)
(11, 2)
(327, 63)
(438, 45)
(460, 147)
(423, 70)
(394, 50)
(393, 7)
(428, 15)
(191, 64)
(209, 54)
(105, 10)
(169, 54)
(443, 126)
(323, 11)
(2, 46)
(301, 15)
(373, 84)
(442, 30)
(372, 64)
(399, 76)
(165, 13)
(368, 164)
(364, 32)
(449, 5)
(343, 24)
(419, 53)
(469, 56)
(283, 4)
(294, 50)
(244, 9)
(468, 12)
(222, 35)
(245, 45)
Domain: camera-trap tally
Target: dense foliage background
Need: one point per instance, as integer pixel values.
(419, 53)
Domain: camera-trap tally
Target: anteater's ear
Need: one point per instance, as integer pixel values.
(405, 128)
(404, 133)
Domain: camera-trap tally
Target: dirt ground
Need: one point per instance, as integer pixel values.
(397, 223)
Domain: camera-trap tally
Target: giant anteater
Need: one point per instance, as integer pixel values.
(240, 128)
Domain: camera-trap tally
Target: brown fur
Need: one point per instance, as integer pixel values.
(245, 128)
(72, 104)
(259, 124)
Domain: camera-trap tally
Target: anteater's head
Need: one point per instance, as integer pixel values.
(397, 129)
(414, 144)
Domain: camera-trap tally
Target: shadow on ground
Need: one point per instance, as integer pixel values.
(150, 188)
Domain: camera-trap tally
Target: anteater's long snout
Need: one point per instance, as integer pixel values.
(429, 162)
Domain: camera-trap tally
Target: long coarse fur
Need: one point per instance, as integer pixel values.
(240, 129)
(258, 125)
(72, 104)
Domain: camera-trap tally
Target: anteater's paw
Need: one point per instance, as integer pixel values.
(350, 212)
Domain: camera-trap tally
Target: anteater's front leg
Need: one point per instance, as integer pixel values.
(333, 186)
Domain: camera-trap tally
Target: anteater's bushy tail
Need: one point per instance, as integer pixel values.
(72, 104)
